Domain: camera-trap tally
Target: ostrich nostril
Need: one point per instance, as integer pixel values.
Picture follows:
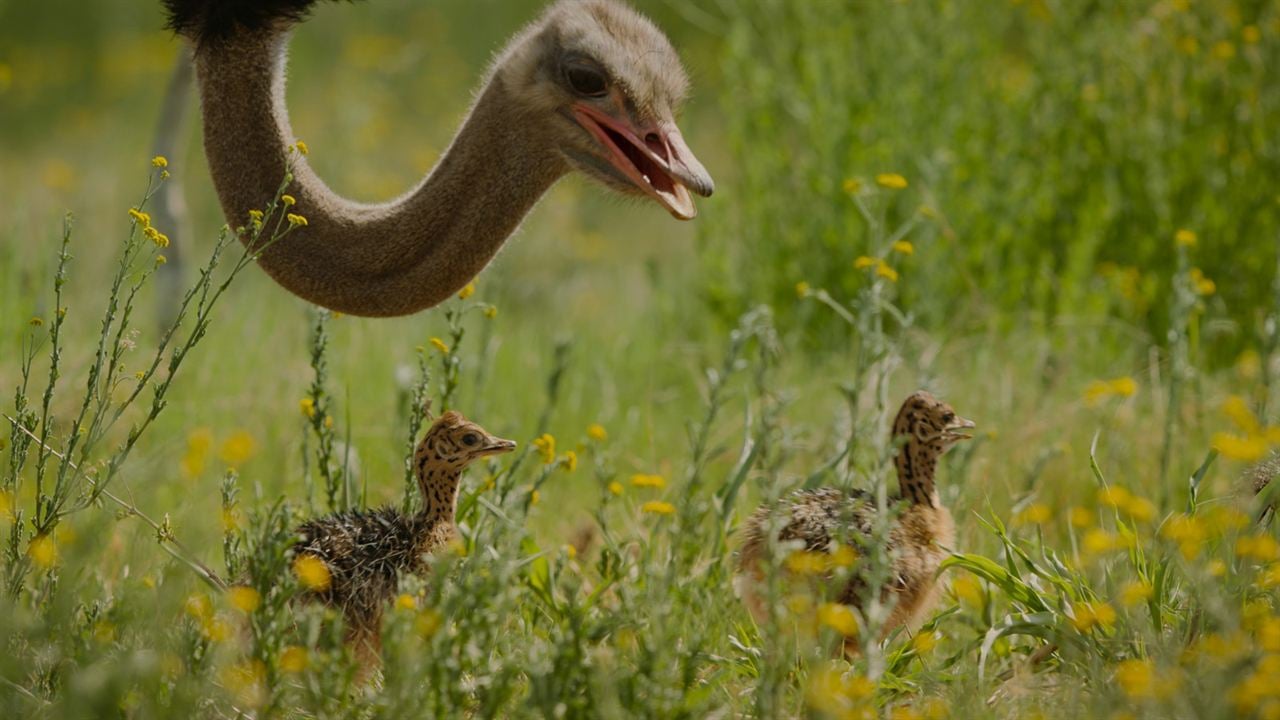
(654, 141)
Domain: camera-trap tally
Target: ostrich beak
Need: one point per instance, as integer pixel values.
(952, 432)
(661, 165)
(497, 446)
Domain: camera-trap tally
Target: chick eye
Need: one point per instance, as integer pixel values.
(948, 417)
(470, 439)
(586, 81)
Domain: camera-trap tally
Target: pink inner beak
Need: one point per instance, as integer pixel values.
(660, 167)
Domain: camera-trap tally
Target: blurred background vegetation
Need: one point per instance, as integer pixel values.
(1052, 150)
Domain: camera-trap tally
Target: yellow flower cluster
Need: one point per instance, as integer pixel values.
(596, 432)
(809, 562)
(648, 481)
(296, 220)
(546, 447)
(892, 181)
(1100, 390)
(312, 572)
(1252, 440)
(1088, 615)
(1201, 284)
(467, 291)
(569, 461)
(1185, 238)
(882, 268)
(803, 290)
(244, 598)
(308, 407)
(838, 694)
(840, 618)
(658, 507)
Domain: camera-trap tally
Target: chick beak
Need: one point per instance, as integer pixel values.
(957, 425)
(498, 446)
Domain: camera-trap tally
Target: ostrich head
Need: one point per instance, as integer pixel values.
(604, 85)
(930, 425)
(457, 442)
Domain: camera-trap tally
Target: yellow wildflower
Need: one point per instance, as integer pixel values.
(843, 556)
(160, 161)
(406, 601)
(808, 562)
(1136, 592)
(1201, 284)
(160, 260)
(427, 622)
(886, 272)
(596, 432)
(851, 185)
(1089, 615)
(924, 642)
(968, 589)
(1139, 509)
(246, 681)
(35, 322)
(244, 598)
(296, 220)
(439, 345)
(1251, 34)
(43, 551)
(1246, 449)
(302, 148)
(197, 605)
(1185, 238)
(1224, 50)
(491, 311)
(293, 659)
(308, 407)
(546, 447)
(1098, 541)
(140, 217)
(230, 520)
(893, 181)
(864, 262)
(288, 200)
(534, 496)
(658, 507)
(1099, 390)
(833, 693)
(1260, 547)
(255, 216)
(467, 291)
(615, 487)
(1188, 532)
(839, 617)
(802, 289)
(1035, 514)
(648, 481)
(6, 504)
(238, 448)
(1115, 496)
(1137, 678)
(312, 572)
(904, 247)
(569, 461)
(155, 236)
(1080, 517)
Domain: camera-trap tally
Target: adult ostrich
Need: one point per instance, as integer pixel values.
(591, 86)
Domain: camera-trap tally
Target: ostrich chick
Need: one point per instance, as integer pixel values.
(918, 540)
(366, 551)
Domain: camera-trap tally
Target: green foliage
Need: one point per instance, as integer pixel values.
(1055, 148)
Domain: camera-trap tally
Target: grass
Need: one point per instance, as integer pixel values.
(1108, 562)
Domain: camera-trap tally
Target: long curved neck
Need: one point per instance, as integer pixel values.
(393, 258)
(917, 463)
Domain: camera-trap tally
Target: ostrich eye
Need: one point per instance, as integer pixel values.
(586, 80)
(470, 439)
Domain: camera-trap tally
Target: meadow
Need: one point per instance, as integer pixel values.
(1061, 217)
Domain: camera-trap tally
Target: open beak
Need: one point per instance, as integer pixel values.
(498, 446)
(955, 431)
(661, 165)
